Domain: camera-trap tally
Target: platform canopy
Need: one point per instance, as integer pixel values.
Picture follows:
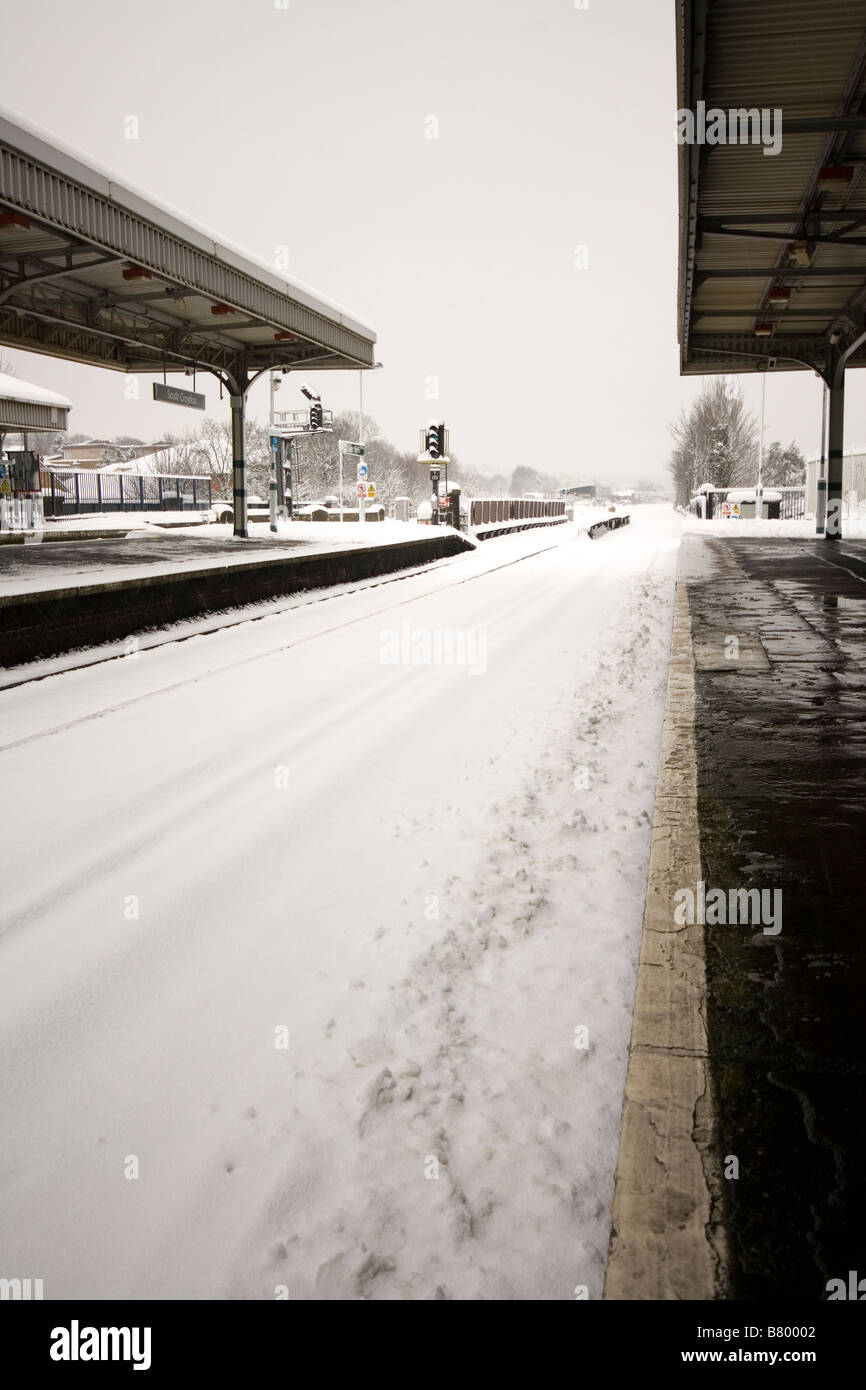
(94, 271)
(772, 247)
(31, 408)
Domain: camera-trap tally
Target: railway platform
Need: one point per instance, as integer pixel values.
(741, 1165)
(59, 597)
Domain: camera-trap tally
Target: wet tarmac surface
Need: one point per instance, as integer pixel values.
(782, 805)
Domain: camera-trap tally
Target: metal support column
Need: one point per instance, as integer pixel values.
(274, 484)
(836, 442)
(821, 479)
(835, 454)
(285, 475)
(237, 379)
(239, 471)
(834, 375)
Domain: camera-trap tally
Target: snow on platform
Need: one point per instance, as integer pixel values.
(147, 550)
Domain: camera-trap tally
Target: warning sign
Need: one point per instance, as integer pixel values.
(371, 491)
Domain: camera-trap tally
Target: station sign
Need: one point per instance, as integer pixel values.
(175, 395)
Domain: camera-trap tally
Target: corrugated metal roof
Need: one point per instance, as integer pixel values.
(808, 61)
(114, 277)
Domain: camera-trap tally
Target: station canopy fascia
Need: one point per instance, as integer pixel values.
(753, 226)
(24, 407)
(93, 271)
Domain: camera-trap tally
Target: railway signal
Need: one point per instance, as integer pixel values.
(434, 452)
(434, 442)
(317, 415)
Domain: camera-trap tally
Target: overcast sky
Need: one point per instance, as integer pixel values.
(309, 126)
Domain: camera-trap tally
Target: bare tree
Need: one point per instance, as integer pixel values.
(715, 441)
(207, 452)
(214, 440)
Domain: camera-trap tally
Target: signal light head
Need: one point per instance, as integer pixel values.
(435, 442)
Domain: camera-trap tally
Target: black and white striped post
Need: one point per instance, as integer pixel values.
(237, 379)
(821, 480)
(835, 455)
(834, 375)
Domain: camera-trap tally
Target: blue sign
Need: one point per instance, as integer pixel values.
(275, 441)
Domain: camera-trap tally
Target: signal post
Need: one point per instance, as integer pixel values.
(435, 443)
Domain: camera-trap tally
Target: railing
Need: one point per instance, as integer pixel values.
(86, 492)
(486, 511)
(793, 504)
(22, 512)
(298, 421)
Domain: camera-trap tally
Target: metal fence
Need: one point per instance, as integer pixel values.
(789, 506)
(793, 504)
(87, 492)
(484, 511)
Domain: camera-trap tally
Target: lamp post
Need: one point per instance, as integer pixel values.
(273, 485)
(361, 431)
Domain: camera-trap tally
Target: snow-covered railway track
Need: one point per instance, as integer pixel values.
(288, 937)
(208, 627)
